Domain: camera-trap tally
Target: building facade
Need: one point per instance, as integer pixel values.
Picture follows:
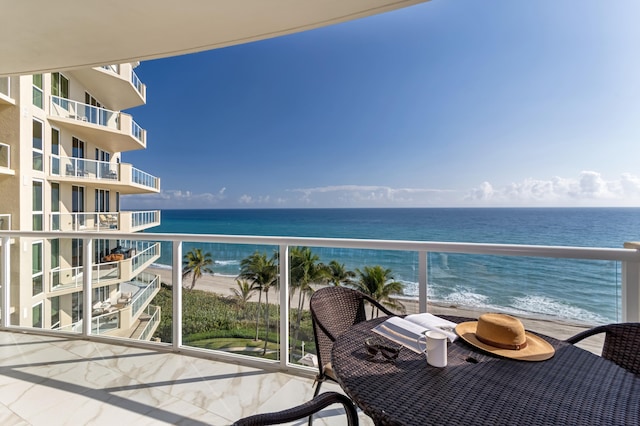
(62, 136)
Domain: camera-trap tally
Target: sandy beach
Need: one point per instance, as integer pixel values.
(557, 328)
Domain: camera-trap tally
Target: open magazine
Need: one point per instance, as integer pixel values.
(407, 330)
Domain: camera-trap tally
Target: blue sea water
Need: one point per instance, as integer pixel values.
(578, 290)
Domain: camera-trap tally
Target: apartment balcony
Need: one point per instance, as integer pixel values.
(5, 161)
(112, 130)
(124, 221)
(135, 258)
(117, 86)
(618, 269)
(121, 177)
(5, 91)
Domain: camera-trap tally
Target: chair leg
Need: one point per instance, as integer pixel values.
(319, 381)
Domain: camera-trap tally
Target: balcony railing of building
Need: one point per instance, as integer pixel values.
(127, 221)
(107, 172)
(144, 179)
(618, 270)
(151, 283)
(140, 87)
(154, 313)
(104, 323)
(107, 272)
(66, 108)
(5, 156)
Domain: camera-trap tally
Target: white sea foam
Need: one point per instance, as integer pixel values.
(227, 262)
(544, 305)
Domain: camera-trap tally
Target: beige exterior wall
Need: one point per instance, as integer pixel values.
(16, 195)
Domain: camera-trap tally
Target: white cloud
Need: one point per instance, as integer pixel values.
(590, 188)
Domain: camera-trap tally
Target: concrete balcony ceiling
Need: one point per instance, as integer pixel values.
(66, 34)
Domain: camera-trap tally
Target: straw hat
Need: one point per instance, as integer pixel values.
(504, 335)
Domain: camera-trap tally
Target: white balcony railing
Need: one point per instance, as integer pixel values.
(66, 108)
(137, 83)
(141, 298)
(5, 156)
(154, 314)
(144, 179)
(625, 274)
(106, 322)
(144, 218)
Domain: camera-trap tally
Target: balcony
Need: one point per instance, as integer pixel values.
(125, 221)
(111, 130)
(117, 86)
(5, 161)
(121, 177)
(184, 334)
(139, 256)
(5, 91)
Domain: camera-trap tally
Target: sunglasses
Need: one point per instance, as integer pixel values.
(376, 346)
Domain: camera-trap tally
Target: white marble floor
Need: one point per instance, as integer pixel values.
(56, 381)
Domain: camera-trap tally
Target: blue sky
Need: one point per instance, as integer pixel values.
(450, 103)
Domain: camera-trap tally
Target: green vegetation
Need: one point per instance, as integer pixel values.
(212, 321)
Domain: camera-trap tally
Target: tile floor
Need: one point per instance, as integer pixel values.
(56, 381)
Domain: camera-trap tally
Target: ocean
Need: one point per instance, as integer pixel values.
(577, 290)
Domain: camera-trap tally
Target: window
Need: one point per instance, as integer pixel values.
(96, 114)
(59, 85)
(100, 294)
(36, 207)
(76, 253)
(77, 206)
(55, 151)
(36, 315)
(102, 200)
(55, 312)
(36, 268)
(37, 144)
(37, 90)
(55, 206)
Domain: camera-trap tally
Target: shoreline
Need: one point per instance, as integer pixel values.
(554, 327)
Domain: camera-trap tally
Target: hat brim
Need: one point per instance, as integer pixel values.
(537, 349)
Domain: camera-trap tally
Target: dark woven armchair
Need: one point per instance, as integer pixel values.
(304, 410)
(333, 311)
(621, 343)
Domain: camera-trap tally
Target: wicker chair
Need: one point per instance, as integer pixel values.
(304, 410)
(333, 311)
(621, 343)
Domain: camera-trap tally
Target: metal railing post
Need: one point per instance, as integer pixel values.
(631, 288)
(86, 285)
(176, 274)
(422, 281)
(283, 263)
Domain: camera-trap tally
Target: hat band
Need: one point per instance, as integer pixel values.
(501, 345)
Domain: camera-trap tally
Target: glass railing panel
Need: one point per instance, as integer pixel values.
(143, 178)
(137, 131)
(153, 314)
(5, 155)
(137, 83)
(105, 323)
(85, 168)
(145, 218)
(67, 108)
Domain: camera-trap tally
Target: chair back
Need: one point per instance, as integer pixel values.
(333, 311)
(622, 345)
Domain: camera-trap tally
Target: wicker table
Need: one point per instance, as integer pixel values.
(574, 387)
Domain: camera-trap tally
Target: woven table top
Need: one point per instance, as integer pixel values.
(574, 387)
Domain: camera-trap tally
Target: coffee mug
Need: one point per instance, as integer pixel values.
(435, 348)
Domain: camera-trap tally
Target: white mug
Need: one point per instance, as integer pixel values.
(435, 348)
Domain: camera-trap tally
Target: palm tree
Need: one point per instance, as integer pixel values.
(378, 283)
(196, 263)
(263, 273)
(243, 293)
(305, 270)
(339, 274)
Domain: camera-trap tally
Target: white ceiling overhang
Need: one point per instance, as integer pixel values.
(43, 36)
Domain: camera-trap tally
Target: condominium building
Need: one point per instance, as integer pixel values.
(62, 135)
